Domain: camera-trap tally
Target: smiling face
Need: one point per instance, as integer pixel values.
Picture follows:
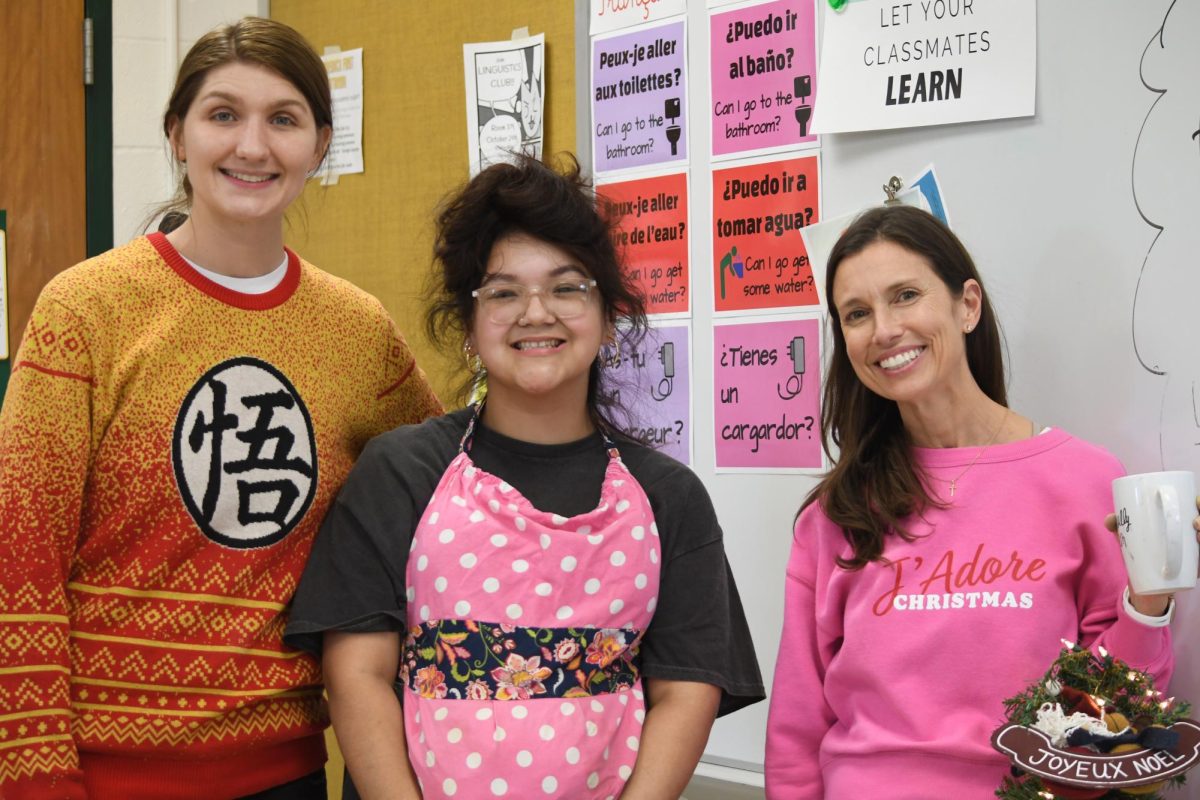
(538, 356)
(904, 329)
(249, 140)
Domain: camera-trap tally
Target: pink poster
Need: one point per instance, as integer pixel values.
(764, 73)
(767, 395)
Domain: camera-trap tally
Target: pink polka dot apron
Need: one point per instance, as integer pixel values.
(520, 666)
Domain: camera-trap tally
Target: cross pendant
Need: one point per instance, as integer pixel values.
(953, 485)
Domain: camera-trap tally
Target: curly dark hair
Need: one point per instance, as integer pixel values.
(556, 205)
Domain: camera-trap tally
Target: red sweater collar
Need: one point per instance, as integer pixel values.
(251, 302)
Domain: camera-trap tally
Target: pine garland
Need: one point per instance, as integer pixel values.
(1114, 685)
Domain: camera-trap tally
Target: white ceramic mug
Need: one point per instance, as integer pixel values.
(1154, 523)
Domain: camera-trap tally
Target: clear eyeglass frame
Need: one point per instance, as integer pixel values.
(505, 303)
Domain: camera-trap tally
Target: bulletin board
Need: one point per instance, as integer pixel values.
(376, 228)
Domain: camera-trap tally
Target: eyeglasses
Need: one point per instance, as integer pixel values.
(505, 303)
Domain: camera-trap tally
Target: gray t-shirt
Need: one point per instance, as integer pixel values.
(355, 578)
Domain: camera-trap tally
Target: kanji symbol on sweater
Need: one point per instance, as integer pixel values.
(244, 454)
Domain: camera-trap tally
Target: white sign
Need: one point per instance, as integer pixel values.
(610, 15)
(345, 70)
(506, 85)
(3, 295)
(890, 64)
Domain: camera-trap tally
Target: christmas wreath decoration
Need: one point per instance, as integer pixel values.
(1095, 728)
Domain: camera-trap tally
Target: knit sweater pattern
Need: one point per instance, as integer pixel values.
(168, 448)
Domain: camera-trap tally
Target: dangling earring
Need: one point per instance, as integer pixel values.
(478, 372)
(610, 359)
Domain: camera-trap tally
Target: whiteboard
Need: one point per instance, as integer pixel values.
(1046, 206)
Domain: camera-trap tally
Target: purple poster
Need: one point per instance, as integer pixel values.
(767, 395)
(764, 72)
(654, 384)
(639, 98)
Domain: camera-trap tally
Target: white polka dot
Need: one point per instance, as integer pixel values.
(519, 522)
(433, 518)
(441, 713)
(638, 532)
(549, 784)
(429, 759)
(440, 584)
(592, 586)
(520, 565)
(592, 728)
(483, 713)
(519, 711)
(543, 589)
(476, 515)
(505, 487)
(474, 760)
(632, 743)
(566, 709)
(494, 505)
(421, 738)
(617, 558)
(491, 585)
(424, 613)
(499, 787)
(624, 772)
(650, 606)
(616, 605)
(605, 754)
(557, 519)
(572, 755)
(640, 715)
(623, 698)
(593, 780)
(568, 564)
(449, 786)
(468, 560)
(417, 717)
(499, 539)
(499, 734)
(544, 539)
(564, 612)
(653, 556)
(470, 472)
(622, 505)
(514, 611)
(422, 563)
(462, 608)
(458, 501)
(595, 538)
(454, 736)
(597, 706)
(446, 536)
(513, 508)
(640, 581)
(638, 694)
(584, 530)
(410, 593)
(524, 758)
(546, 732)
(654, 528)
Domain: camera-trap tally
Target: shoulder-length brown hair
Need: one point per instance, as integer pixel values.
(875, 483)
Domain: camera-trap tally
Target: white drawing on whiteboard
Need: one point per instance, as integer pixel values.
(1166, 185)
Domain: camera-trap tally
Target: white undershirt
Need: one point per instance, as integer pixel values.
(260, 284)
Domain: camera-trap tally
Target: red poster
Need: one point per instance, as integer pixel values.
(759, 259)
(653, 238)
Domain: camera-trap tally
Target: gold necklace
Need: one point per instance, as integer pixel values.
(995, 435)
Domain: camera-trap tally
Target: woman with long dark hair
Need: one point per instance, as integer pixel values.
(954, 544)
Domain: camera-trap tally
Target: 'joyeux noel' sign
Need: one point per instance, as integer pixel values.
(1031, 750)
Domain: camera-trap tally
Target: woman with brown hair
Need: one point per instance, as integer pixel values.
(173, 433)
(939, 565)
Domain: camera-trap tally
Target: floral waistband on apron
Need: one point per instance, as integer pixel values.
(467, 659)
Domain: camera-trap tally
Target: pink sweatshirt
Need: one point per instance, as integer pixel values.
(890, 680)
